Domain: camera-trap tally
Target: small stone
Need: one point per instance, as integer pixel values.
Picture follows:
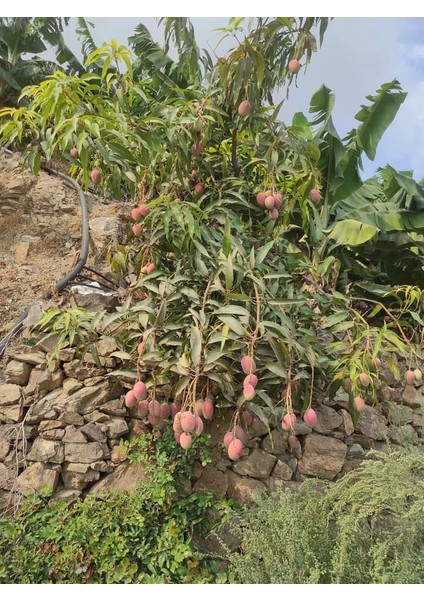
(31, 358)
(43, 381)
(66, 354)
(355, 451)
(74, 436)
(118, 454)
(372, 424)
(71, 386)
(46, 425)
(86, 453)
(282, 471)
(212, 480)
(417, 420)
(37, 478)
(243, 489)
(413, 397)
(79, 371)
(93, 433)
(103, 466)
(90, 381)
(347, 424)
(10, 394)
(258, 465)
(21, 252)
(105, 346)
(17, 372)
(301, 428)
(125, 478)
(53, 434)
(79, 481)
(68, 496)
(275, 442)
(115, 428)
(46, 451)
(328, 419)
(115, 408)
(322, 456)
(4, 448)
(72, 418)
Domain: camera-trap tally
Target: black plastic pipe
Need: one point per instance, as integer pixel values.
(59, 285)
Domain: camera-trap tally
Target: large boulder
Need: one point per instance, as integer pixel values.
(125, 478)
(322, 456)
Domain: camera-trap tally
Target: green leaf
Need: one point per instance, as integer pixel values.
(352, 233)
(196, 345)
(233, 324)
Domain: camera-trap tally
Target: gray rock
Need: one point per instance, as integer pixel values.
(72, 418)
(31, 358)
(301, 428)
(17, 372)
(258, 465)
(115, 408)
(282, 471)
(399, 414)
(275, 483)
(11, 414)
(413, 397)
(66, 354)
(68, 496)
(115, 428)
(46, 451)
(10, 394)
(372, 424)
(74, 435)
(275, 442)
(125, 478)
(93, 433)
(212, 480)
(53, 434)
(4, 448)
(79, 371)
(40, 381)
(243, 489)
(418, 420)
(55, 424)
(355, 451)
(37, 478)
(79, 481)
(322, 456)
(87, 399)
(118, 454)
(347, 424)
(106, 346)
(328, 419)
(70, 386)
(86, 453)
(290, 460)
(47, 408)
(102, 465)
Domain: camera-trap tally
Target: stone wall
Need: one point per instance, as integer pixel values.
(61, 420)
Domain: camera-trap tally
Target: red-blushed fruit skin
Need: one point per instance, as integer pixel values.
(250, 379)
(235, 449)
(144, 210)
(130, 399)
(136, 229)
(197, 149)
(175, 409)
(269, 202)
(198, 408)
(289, 421)
(199, 426)
(315, 196)
(198, 189)
(135, 214)
(188, 421)
(310, 417)
(228, 438)
(359, 403)
(278, 200)
(177, 436)
(154, 420)
(176, 425)
(293, 442)
(143, 408)
(74, 152)
(248, 392)
(140, 390)
(376, 362)
(140, 347)
(244, 108)
(165, 411)
(410, 377)
(154, 408)
(418, 375)
(185, 440)
(150, 267)
(294, 66)
(364, 379)
(207, 410)
(260, 198)
(95, 176)
(248, 365)
(273, 214)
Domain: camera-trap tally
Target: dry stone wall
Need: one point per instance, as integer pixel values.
(62, 419)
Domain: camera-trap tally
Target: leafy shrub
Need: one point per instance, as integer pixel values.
(142, 537)
(366, 528)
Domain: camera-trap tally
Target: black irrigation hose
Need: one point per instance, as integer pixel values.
(60, 285)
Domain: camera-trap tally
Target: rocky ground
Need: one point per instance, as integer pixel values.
(40, 234)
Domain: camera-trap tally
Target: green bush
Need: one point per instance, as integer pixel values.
(143, 537)
(366, 528)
